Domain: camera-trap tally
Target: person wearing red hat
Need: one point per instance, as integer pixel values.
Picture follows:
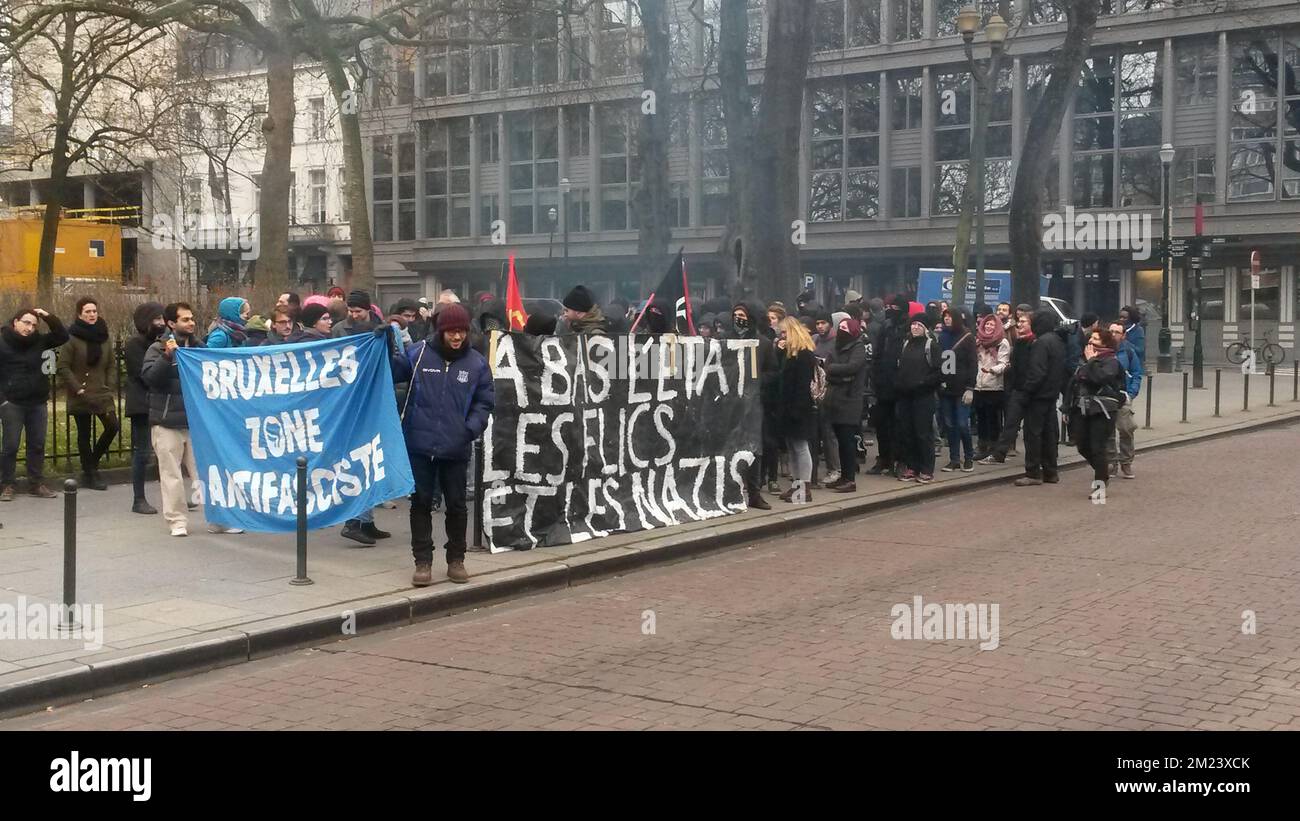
(447, 407)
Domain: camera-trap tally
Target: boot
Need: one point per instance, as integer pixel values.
(757, 501)
(423, 576)
(141, 506)
(456, 571)
(845, 487)
(352, 530)
(90, 481)
(374, 532)
(1028, 481)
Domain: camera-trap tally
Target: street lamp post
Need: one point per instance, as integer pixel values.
(968, 20)
(565, 187)
(551, 214)
(1165, 361)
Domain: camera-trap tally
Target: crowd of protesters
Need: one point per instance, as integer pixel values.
(906, 378)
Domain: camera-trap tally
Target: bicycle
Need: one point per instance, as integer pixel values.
(1268, 352)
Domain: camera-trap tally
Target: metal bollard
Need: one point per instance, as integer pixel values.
(1150, 381)
(1218, 381)
(1185, 377)
(69, 617)
(1245, 391)
(478, 492)
(301, 578)
(1295, 382)
(1272, 374)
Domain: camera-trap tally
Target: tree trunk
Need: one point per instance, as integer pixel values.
(973, 191)
(654, 230)
(277, 128)
(59, 165)
(738, 114)
(1026, 217)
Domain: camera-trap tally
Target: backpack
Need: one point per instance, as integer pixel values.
(818, 385)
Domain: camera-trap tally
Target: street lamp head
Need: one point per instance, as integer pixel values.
(968, 22)
(996, 30)
(565, 186)
(552, 213)
(1166, 153)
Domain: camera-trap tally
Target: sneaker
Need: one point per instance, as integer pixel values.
(1028, 481)
(436, 504)
(879, 470)
(951, 466)
(456, 571)
(352, 530)
(1051, 478)
(832, 478)
(423, 576)
(908, 475)
(844, 487)
(1126, 470)
(191, 506)
(773, 487)
(925, 478)
(7, 493)
(389, 505)
(968, 466)
(143, 507)
(1013, 452)
(374, 532)
(179, 530)
(42, 491)
(991, 459)
(233, 531)
(1114, 469)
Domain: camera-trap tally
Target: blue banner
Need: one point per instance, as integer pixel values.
(254, 411)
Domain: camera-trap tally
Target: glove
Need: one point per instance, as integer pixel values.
(968, 397)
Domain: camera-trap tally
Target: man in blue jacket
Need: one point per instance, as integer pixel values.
(447, 408)
(1121, 444)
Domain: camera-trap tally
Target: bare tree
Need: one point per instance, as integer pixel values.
(652, 198)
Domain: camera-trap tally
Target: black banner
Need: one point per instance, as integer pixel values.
(600, 435)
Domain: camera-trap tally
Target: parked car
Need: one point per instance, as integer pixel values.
(1062, 309)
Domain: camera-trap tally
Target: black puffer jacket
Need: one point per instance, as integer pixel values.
(1045, 375)
(22, 378)
(796, 413)
(769, 367)
(887, 346)
(1101, 376)
(1019, 369)
(917, 371)
(137, 392)
(846, 382)
(163, 377)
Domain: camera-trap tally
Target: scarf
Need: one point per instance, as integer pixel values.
(93, 335)
(238, 336)
(16, 340)
(1103, 353)
(1027, 336)
(990, 338)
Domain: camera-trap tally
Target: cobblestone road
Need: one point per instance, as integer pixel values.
(1123, 615)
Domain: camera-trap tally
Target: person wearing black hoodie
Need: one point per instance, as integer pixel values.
(1094, 395)
(884, 374)
(846, 378)
(744, 326)
(149, 325)
(1044, 378)
(24, 392)
(918, 377)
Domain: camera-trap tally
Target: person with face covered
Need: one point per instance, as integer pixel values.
(884, 375)
(744, 326)
(447, 408)
(918, 377)
(149, 326)
(1044, 379)
(846, 378)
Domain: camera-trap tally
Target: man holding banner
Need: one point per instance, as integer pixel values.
(447, 408)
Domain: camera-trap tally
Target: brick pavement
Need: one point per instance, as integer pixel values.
(1125, 615)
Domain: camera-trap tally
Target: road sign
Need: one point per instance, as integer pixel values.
(1254, 281)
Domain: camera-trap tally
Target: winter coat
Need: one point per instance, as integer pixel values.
(89, 388)
(349, 328)
(305, 335)
(1101, 377)
(593, 324)
(796, 416)
(887, 348)
(163, 377)
(1019, 364)
(769, 366)
(1133, 370)
(22, 377)
(1136, 336)
(965, 368)
(918, 366)
(996, 359)
(229, 331)
(846, 382)
(449, 400)
(133, 351)
(1045, 374)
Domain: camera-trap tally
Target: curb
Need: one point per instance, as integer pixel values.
(113, 671)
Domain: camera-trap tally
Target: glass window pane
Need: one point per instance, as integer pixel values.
(824, 198)
(997, 185)
(613, 169)
(863, 151)
(952, 144)
(953, 98)
(435, 217)
(998, 142)
(949, 184)
(1139, 129)
(864, 22)
(1140, 179)
(383, 188)
(1094, 133)
(1097, 86)
(828, 27)
(521, 177)
(864, 106)
(827, 109)
(548, 175)
(460, 181)
(435, 183)
(406, 220)
(1251, 171)
(613, 207)
(382, 148)
(521, 213)
(1094, 181)
(519, 130)
(1141, 81)
(827, 154)
(862, 197)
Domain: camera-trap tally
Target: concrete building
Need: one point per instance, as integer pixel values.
(490, 133)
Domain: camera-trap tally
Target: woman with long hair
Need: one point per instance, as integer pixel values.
(797, 412)
(88, 371)
(994, 353)
(957, 390)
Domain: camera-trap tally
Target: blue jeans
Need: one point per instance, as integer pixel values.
(956, 417)
(16, 419)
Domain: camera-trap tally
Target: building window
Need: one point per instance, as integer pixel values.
(255, 124)
(1264, 154)
(906, 103)
(713, 145)
(1117, 129)
(619, 166)
(1194, 179)
(445, 145)
(905, 191)
(193, 196)
(828, 26)
(909, 17)
(579, 210)
(193, 126)
(489, 139)
(382, 188)
(534, 59)
(620, 32)
(1267, 297)
(533, 138)
(257, 192)
(345, 210)
(316, 196)
(577, 131)
(864, 22)
(679, 205)
(845, 150)
(316, 118)
(393, 188)
(447, 64)
(489, 212)
(755, 39)
(1196, 65)
(293, 198)
(954, 102)
(1045, 11)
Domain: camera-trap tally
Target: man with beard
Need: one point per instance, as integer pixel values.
(447, 409)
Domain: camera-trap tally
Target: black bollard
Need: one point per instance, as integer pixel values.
(1185, 377)
(1295, 382)
(1218, 382)
(301, 578)
(478, 493)
(1150, 382)
(1245, 391)
(69, 554)
(1272, 374)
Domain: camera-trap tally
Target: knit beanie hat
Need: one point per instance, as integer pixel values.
(579, 299)
(359, 299)
(311, 314)
(453, 317)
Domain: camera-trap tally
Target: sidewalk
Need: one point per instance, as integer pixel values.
(183, 605)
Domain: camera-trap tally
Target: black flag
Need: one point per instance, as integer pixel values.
(674, 289)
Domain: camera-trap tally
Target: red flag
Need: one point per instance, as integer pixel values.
(515, 300)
